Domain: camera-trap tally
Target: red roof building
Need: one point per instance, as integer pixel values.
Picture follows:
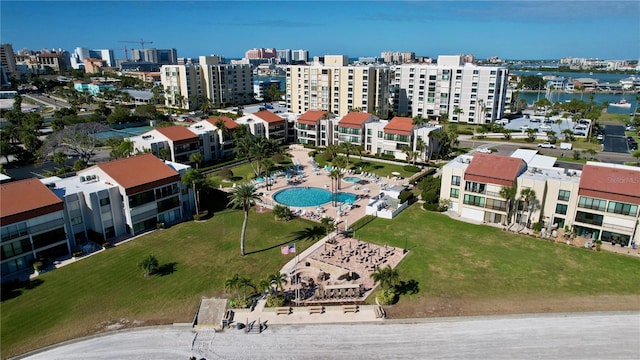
(354, 120)
(25, 199)
(494, 169)
(399, 126)
(610, 183)
(139, 173)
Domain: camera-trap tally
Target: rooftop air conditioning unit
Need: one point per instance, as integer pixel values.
(82, 179)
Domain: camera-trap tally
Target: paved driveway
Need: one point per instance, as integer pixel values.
(543, 336)
(614, 139)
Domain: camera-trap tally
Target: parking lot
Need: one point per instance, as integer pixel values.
(614, 139)
(542, 124)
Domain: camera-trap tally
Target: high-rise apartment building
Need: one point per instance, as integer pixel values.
(466, 92)
(158, 56)
(261, 53)
(398, 57)
(80, 54)
(284, 55)
(8, 68)
(300, 55)
(337, 87)
(187, 85)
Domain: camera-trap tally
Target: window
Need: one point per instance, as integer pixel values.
(455, 180)
(591, 203)
(105, 201)
(622, 208)
(475, 187)
(561, 209)
(496, 204)
(474, 200)
(564, 195)
(76, 220)
(589, 218)
(455, 193)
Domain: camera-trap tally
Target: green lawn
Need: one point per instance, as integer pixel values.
(457, 260)
(369, 165)
(244, 172)
(197, 257)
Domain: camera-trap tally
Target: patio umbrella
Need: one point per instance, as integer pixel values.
(395, 173)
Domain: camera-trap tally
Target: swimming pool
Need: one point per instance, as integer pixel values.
(353, 179)
(301, 197)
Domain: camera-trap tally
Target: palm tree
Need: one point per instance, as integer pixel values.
(458, 111)
(243, 196)
(194, 178)
(196, 158)
(232, 283)
(335, 176)
(418, 120)
(551, 135)
(387, 277)
(531, 134)
(508, 193)
(528, 196)
(348, 148)
(149, 265)
(278, 280)
(636, 154)
(507, 134)
(327, 223)
(244, 283)
(264, 285)
(164, 153)
(267, 163)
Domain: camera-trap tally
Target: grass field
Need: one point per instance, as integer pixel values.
(463, 268)
(453, 268)
(195, 259)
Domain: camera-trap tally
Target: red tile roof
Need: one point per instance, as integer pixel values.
(610, 183)
(269, 117)
(139, 173)
(25, 199)
(178, 134)
(399, 126)
(311, 117)
(494, 169)
(354, 120)
(230, 124)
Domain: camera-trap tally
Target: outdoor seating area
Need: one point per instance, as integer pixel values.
(339, 271)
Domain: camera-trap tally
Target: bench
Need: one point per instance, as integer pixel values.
(380, 314)
(283, 311)
(316, 309)
(349, 308)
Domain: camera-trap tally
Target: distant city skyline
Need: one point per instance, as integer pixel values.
(533, 30)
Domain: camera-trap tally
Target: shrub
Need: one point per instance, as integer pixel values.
(203, 215)
(431, 207)
(327, 155)
(430, 196)
(465, 132)
(76, 254)
(537, 227)
(282, 213)
(411, 168)
(405, 195)
(38, 265)
(160, 225)
(275, 301)
(226, 173)
(386, 297)
(277, 158)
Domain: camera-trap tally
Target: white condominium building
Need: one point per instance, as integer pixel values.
(386, 137)
(466, 92)
(600, 202)
(337, 87)
(186, 86)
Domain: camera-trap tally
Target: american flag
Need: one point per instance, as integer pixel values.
(288, 249)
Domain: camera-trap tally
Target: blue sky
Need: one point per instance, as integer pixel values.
(507, 29)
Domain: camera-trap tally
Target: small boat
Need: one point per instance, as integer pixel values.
(622, 103)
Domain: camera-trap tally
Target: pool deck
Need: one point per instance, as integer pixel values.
(368, 187)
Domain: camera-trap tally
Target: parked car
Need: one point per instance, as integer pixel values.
(548, 121)
(544, 127)
(630, 139)
(524, 127)
(267, 106)
(535, 120)
(547, 145)
(630, 128)
(579, 133)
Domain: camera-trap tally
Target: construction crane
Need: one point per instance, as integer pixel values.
(126, 54)
(141, 42)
